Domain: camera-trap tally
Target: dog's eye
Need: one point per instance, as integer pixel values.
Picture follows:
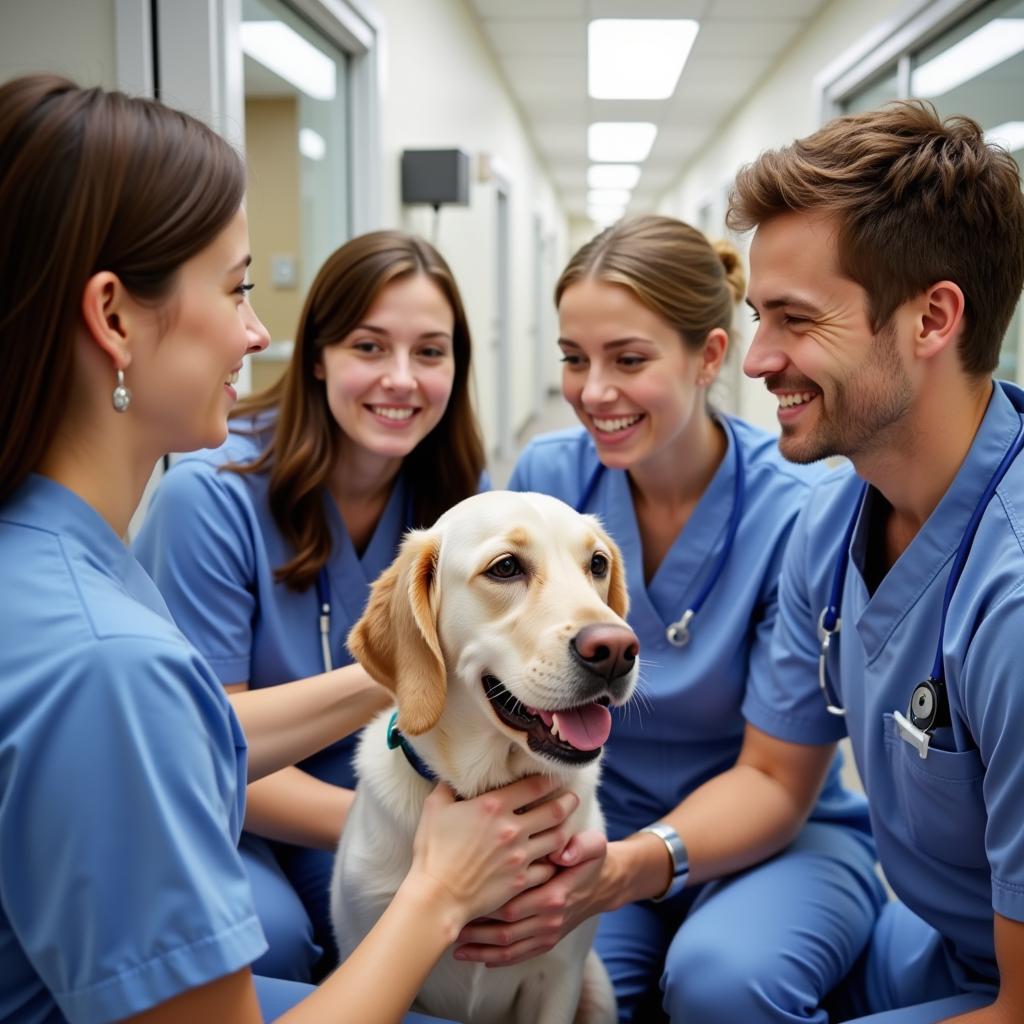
(505, 568)
(598, 565)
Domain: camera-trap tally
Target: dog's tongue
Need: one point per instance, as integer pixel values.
(586, 728)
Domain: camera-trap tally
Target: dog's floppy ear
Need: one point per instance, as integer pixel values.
(618, 595)
(396, 641)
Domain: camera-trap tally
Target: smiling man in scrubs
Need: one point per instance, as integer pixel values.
(886, 264)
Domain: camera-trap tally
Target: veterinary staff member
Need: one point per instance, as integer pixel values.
(122, 763)
(886, 266)
(265, 549)
(701, 505)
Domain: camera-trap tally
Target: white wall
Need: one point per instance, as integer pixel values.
(77, 40)
(442, 88)
(783, 107)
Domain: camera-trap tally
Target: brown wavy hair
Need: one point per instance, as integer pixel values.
(670, 267)
(440, 471)
(89, 181)
(917, 200)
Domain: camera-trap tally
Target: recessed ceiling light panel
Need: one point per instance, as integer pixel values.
(608, 196)
(620, 141)
(637, 58)
(613, 175)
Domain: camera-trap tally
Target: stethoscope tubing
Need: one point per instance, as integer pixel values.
(323, 596)
(830, 623)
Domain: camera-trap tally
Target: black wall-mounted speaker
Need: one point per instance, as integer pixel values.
(435, 176)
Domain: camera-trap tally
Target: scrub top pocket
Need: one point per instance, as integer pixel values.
(941, 799)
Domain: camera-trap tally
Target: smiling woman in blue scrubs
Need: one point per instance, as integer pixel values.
(369, 432)
(123, 765)
(702, 505)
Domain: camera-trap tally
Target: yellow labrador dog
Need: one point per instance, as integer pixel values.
(502, 632)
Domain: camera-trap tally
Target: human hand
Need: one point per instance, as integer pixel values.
(483, 852)
(537, 920)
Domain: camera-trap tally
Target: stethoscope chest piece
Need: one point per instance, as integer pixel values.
(928, 711)
(678, 633)
(929, 706)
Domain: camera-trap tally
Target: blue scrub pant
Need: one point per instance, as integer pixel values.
(277, 996)
(290, 886)
(765, 945)
(904, 976)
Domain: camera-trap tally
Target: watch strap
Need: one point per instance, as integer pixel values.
(678, 856)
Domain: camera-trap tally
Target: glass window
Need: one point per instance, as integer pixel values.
(297, 152)
(874, 94)
(974, 68)
(977, 68)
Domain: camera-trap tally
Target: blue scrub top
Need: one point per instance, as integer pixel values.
(210, 542)
(948, 827)
(685, 725)
(122, 781)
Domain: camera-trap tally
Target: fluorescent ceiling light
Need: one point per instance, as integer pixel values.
(637, 58)
(608, 196)
(282, 50)
(605, 214)
(311, 144)
(975, 54)
(1009, 135)
(613, 175)
(620, 141)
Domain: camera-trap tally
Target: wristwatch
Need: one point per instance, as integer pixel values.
(677, 854)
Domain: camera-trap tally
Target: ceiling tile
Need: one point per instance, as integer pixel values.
(647, 8)
(747, 37)
(562, 145)
(550, 38)
(536, 78)
(530, 8)
(756, 8)
(626, 110)
(564, 110)
(706, 78)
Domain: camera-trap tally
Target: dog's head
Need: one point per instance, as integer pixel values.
(511, 607)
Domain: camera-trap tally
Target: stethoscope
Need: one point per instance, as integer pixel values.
(678, 633)
(928, 709)
(323, 596)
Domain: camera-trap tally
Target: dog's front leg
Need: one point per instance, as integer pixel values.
(551, 993)
(597, 997)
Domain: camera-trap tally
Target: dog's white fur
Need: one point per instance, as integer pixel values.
(435, 624)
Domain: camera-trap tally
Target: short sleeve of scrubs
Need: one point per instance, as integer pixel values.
(784, 698)
(992, 695)
(120, 875)
(554, 463)
(196, 544)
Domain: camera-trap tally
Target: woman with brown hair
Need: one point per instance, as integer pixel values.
(123, 321)
(265, 549)
(702, 505)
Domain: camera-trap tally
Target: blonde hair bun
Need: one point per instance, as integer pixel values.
(735, 276)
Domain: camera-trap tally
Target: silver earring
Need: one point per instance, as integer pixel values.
(121, 397)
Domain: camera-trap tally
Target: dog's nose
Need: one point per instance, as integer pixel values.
(607, 649)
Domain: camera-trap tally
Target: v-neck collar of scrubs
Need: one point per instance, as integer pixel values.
(936, 542)
(686, 564)
(351, 573)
